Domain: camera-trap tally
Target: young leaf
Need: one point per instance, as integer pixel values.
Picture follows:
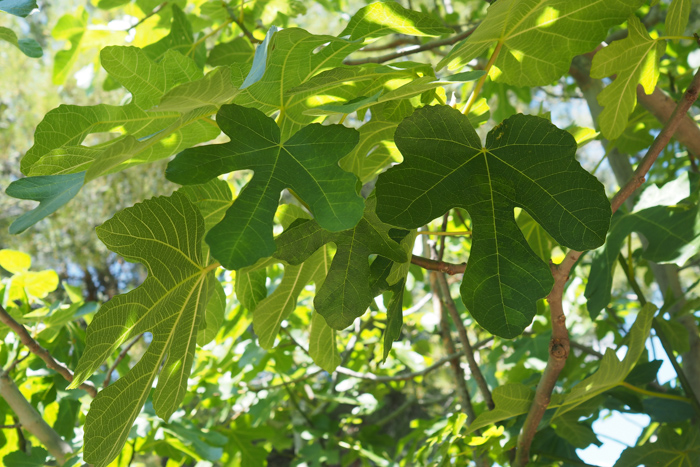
(527, 162)
(382, 18)
(306, 163)
(673, 233)
(322, 346)
(612, 371)
(165, 234)
(677, 17)
(346, 293)
(538, 39)
(635, 60)
(180, 39)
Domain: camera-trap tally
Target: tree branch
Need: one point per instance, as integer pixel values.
(559, 344)
(464, 338)
(403, 53)
(121, 356)
(41, 352)
(441, 266)
(32, 421)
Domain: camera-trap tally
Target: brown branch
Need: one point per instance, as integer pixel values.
(403, 53)
(441, 266)
(10, 427)
(464, 338)
(401, 40)
(121, 356)
(31, 420)
(559, 344)
(41, 352)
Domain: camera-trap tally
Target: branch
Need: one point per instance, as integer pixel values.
(41, 352)
(403, 53)
(399, 377)
(441, 266)
(31, 420)
(121, 356)
(559, 344)
(464, 338)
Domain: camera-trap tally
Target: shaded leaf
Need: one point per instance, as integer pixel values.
(18, 7)
(28, 46)
(524, 163)
(670, 449)
(346, 293)
(306, 163)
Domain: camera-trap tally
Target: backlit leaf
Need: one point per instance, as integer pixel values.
(669, 449)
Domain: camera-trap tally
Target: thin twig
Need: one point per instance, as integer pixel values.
(441, 266)
(153, 12)
(121, 356)
(401, 376)
(41, 352)
(559, 344)
(10, 427)
(464, 338)
(403, 53)
(458, 233)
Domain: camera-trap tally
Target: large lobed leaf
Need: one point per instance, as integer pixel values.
(381, 18)
(165, 234)
(527, 162)
(539, 37)
(306, 163)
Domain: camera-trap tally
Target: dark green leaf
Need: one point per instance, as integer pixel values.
(528, 163)
(670, 449)
(18, 7)
(306, 163)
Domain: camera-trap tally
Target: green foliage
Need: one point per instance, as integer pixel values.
(284, 305)
(524, 163)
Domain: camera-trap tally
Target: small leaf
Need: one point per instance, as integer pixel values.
(307, 163)
(180, 39)
(257, 69)
(382, 18)
(537, 37)
(527, 162)
(635, 60)
(346, 293)
(322, 346)
(52, 192)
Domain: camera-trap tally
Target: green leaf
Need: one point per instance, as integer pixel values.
(676, 333)
(510, 400)
(306, 163)
(670, 449)
(394, 317)
(375, 150)
(537, 37)
(382, 18)
(180, 39)
(257, 69)
(37, 458)
(276, 307)
(70, 28)
(346, 293)
(15, 261)
(612, 371)
(527, 162)
(52, 192)
(28, 46)
(538, 238)
(239, 50)
(164, 234)
(144, 78)
(635, 60)
(322, 345)
(18, 7)
(250, 285)
(677, 17)
(673, 233)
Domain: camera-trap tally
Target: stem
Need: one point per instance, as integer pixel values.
(41, 352)
(121, 356)
(457, 233)
(31, 420)
(482, 80)
(464, 338)
(441, 266)
(646, 392)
